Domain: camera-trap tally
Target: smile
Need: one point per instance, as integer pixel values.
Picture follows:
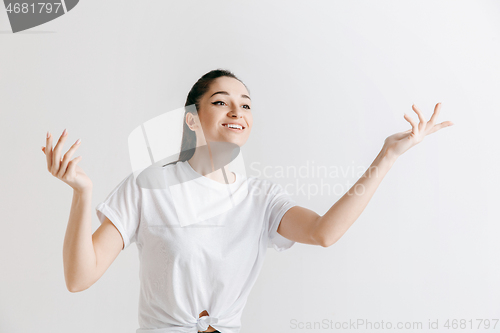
(234, 127)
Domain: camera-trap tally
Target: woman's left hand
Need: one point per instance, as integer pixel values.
(398, 143)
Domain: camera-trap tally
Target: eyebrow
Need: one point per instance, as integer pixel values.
(226, 93)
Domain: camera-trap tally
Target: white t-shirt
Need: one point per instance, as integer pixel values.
(206, 265)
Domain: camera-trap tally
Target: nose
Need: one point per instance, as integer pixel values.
(235, 113)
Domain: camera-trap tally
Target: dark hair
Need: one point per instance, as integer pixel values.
(188, 144)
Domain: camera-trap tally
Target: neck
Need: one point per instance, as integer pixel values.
(203, 163)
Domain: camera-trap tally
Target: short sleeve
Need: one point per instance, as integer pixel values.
(278, 203)
(123, 208)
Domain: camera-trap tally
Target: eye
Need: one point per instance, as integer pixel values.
(215, 103)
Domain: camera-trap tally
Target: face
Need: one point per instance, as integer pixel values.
(226, 102)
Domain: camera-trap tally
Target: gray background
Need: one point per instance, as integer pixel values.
(330, 80)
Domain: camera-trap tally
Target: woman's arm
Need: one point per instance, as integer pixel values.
(86, 256)
(305, 226)
(79, 257)
(334, 223)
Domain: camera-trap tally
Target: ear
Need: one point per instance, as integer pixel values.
(191, 121)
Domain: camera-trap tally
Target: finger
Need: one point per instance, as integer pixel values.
(439, 126)
(423, 122)
(413, 123)
(71, 167)
(48, 151)
(433, 119)
(56, 153)
(67, 157)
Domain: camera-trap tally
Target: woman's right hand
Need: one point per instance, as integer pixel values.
(64, 169)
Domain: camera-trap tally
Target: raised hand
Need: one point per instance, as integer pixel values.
(398, 143)
(64, 169)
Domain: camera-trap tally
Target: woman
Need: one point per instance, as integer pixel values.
(197, 278)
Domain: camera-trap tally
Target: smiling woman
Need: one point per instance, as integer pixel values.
(199, 254)
(202, 270)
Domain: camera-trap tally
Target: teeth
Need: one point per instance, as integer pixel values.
(234, 126)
